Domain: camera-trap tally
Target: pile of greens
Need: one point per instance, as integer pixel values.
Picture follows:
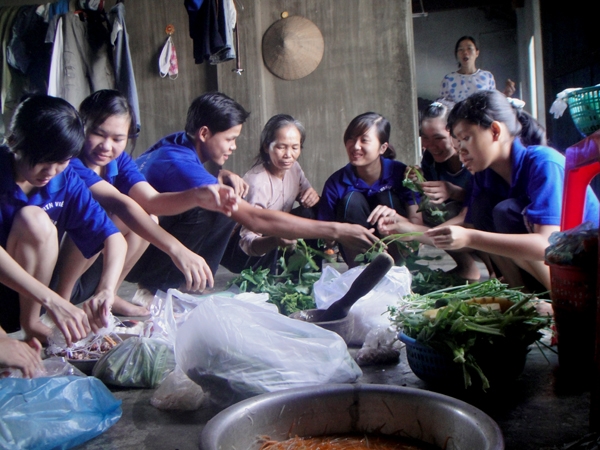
(437, 215)
(463, 327)
(291, 288)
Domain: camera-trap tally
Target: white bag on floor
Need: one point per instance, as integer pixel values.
(178, 392)
(234, 349)
(371, 311)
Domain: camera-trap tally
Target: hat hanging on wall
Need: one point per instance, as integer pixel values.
(292, 47)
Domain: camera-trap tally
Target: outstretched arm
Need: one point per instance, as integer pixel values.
(215, 197)
(529, 247)
(69, 319)
(287, 226)
(99, 306)
(194, 268)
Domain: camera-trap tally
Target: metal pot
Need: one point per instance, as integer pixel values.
(346, 408)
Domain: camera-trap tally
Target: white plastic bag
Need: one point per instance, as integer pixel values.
(178, 392)
(370, 311)
(234, 349)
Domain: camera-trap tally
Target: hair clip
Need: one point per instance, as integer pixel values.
(516, 103)
(437, 105)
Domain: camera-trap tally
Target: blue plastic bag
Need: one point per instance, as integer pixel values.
(54, 413)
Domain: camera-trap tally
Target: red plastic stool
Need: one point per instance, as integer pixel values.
(581, 166)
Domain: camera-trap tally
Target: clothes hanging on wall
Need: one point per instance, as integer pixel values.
(81, 64)
(124, 77)
(27, 52)
(227, 20)
(211, 24)
(49, 49)
(9, 85)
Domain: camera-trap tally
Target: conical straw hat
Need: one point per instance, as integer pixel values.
(292, 47)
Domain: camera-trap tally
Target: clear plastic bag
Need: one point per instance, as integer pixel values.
(54, 366)
(137, 362)
(235, 349)
(577, 246)
(371, 311)
(54, 413)
(381, 347)
(178, 392)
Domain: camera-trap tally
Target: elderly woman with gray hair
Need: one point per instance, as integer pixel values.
(276, 181)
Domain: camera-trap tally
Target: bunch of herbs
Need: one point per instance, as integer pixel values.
(291, 288)
(437, 214)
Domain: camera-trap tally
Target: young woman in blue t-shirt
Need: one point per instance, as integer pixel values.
(43, 198)
(370, 185)
(516, 199)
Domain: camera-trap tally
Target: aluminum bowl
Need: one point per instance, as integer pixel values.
(352, 408)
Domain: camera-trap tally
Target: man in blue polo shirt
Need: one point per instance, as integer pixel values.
(176, 163)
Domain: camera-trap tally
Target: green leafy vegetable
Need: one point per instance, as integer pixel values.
(405, 248)
(466, 329)
(291, 289)
(437, 214)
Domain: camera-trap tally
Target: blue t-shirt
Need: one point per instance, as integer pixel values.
(121, 172)
(66, 200)
(172, 165)
(345, 180)
(538, 174)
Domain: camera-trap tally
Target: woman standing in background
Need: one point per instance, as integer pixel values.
(468, 79)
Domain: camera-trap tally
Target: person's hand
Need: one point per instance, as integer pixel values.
(289, 244)
(410, 173)
(309, 198)
(394, 224)
(380, 211)
(98, 309)
(72, 321)
(21, 355)
(438, 191)
(195, 269)
(510, 88)
(219, 197)
(240, 187)
(449, 238)
(356, 237)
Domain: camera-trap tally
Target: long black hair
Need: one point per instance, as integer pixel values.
(484, 107)
(436, 110)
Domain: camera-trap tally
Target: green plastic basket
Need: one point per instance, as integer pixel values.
(584, 106)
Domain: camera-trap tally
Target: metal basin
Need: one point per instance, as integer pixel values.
(346, 408)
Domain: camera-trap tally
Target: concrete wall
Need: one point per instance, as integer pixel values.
(367, 65)
(435, 37)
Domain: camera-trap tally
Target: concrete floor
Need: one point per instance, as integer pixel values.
(534, 413)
